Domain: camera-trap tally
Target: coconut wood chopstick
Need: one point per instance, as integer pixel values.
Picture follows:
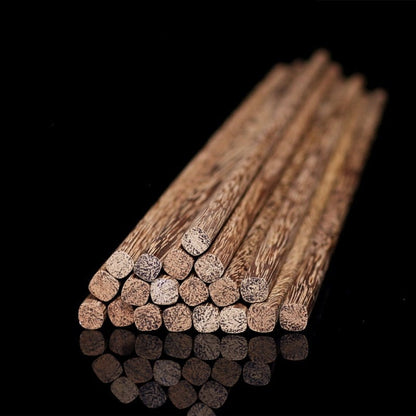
(298, 304)
(262, 316)
(245, 233)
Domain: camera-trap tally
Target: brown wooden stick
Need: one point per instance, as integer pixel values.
(107, 368)
(298, 305)
(262, 317)
(135, 291)
(212, 264)
(92, 313)
(294, 347)
(193, 291)
(166, 247)
(164, 290)
(224, 291)
(206, 225)
(206, 318)
(247, 251)
(120, 313)
(148, 317)
(256, 373)
(282, 231)
(104, 286)
(262, 349)
(152, 395)
(177, 318)
(122, 341)
(119, 264)
(138, 369)
(233, 318)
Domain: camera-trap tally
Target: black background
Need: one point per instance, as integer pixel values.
(112, 102)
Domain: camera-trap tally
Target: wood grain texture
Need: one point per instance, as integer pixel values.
(211, 265)
(107, 368)
(122, 342)
(178, 345)
(288, 272)
(282, 231)
(294, 347)
(119, 264)
(256, 373)
(177, 318)
(206, 317)
(185, 187)
(224, 291)
(92, 313)
(152, 395)
(200, 409)
(135, 291)
(103, 286)
(167, 372)
(148, 317)
(297, 306)
(164, 290)
(193, 291)
(120, 313)
(138, 369)
(262, 349)
(233, 319)
(245, 255)
(226, 372)
(206, 225)
(217, 165)
(207, 347)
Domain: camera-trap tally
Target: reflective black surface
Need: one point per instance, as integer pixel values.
(118, 102)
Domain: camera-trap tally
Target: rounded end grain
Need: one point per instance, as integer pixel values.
(103, 286)
(138, 369)
(107, 368)
(177, 318)
(213, 394)
(209, 268)
(261, 317)
(224, 292)
(262, 349)
(206, 318)
(119, 264)
(233, 319)
(148, 317)
(196, 371)
(124, 389)
(120, 313)
(182, 394)
(135, 291)
(200, 409)
(147, 267)
(294, 347)
(193, 291)
(152, 395)
(226, 372)
(293, 317)
(178, 263)
(234, 347)
(164, 291)
(92, 343)
(256, 373)
(122, 342)
(91, 313)
(254, 289)
(166, 372)
(195, 241)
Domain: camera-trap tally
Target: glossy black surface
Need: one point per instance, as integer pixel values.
(119, 99)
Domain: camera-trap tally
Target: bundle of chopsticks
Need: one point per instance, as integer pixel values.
(244, 235)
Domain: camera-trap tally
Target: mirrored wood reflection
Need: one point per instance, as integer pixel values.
(195, 373)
